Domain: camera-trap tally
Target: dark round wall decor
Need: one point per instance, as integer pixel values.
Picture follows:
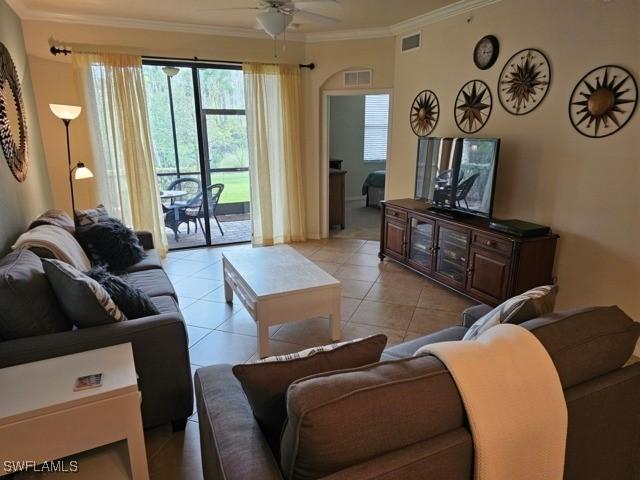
(424, 114)
(473, 106)
(603, 101)
(13, 124)
(524, 81)
(486, 52)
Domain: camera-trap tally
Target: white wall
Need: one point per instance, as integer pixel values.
(587, 190)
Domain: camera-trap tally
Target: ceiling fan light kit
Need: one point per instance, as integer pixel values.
(273, 21)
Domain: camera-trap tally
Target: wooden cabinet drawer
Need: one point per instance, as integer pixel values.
(393, 213)
(492, 243)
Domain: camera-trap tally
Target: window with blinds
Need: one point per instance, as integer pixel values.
(376, 127)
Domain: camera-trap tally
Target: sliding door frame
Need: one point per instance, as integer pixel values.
(201, 112)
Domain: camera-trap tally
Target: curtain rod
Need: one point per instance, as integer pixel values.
(66, 51)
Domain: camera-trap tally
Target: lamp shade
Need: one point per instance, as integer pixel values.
(82, 172)
(65, 112)
(170, 71)
(273, 21)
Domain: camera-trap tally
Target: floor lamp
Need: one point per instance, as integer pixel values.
(66, 113)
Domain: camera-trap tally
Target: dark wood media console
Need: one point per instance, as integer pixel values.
(464, 253)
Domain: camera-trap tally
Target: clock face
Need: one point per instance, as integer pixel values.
(486, 52)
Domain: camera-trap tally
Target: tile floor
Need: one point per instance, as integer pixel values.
(378, 297)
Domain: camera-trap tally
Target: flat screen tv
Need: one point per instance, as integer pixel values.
(458, 174)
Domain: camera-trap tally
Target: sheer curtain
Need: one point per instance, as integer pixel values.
(113, 89)
(272, 98)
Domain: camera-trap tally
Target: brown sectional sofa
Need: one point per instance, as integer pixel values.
(402, 418)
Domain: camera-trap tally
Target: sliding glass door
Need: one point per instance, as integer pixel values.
(198, 126)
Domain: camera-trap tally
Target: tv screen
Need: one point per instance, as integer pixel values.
(458, 173)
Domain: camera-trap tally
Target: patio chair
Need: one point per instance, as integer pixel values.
(213, 196)
(464, 188)
(188, 184)
(176, 214)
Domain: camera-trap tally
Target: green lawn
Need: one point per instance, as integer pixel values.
(236, 186)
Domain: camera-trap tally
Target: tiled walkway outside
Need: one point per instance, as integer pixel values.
(377, 298)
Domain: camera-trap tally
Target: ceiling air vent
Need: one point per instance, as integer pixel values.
(357, 78)
(411, 42)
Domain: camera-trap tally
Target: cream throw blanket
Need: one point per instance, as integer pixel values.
(514, 400)
(58, 241)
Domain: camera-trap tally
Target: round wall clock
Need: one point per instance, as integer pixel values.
(13, 124)
(424, 114)
(486, 52)
(524, 81)
(473, 106)
(603, 101)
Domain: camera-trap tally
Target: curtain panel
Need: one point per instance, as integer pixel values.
(113, 89)
(272, 98)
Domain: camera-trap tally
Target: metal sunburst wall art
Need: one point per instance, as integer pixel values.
(424, 114)
(524, 81)
(603, 101)
(473, 106)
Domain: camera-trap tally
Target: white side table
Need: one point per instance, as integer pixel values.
(42, 418)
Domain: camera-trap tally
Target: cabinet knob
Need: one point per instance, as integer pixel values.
(490, 243)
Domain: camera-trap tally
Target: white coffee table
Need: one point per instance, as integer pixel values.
(278, 285)
(43, 419)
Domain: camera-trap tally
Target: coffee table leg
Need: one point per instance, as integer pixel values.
(263, 339)
(335, 319)
(228, 289)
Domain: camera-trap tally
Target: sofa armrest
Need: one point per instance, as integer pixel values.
(146, 239)
(160, 350)
(232, 444)
(472, 314)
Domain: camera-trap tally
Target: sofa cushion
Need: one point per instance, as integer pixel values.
(166, 304)
(111, 243)
(28, 305)
(151, 260)
(133, 302)
(340, 419)
(586, 343)
(154, 283)
(530, 304)
(83, 300)
(266, 383)
(407, 349)
(58, 218)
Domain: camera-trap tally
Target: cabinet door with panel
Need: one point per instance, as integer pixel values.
(488, 275)
(421, 242)
(452, 248)
(394, 238)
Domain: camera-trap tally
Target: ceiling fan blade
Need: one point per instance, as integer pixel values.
(221, 9)
(315, 18)
(314, 2)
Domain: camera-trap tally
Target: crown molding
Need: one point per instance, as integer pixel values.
(458, 8)
(412, 24)
(337, 35)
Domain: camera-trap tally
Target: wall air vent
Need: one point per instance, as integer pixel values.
(411, 42)
(357, 78)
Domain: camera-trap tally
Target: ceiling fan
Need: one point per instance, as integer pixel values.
(276, 15)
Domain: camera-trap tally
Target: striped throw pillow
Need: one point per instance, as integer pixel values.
(530, 304)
